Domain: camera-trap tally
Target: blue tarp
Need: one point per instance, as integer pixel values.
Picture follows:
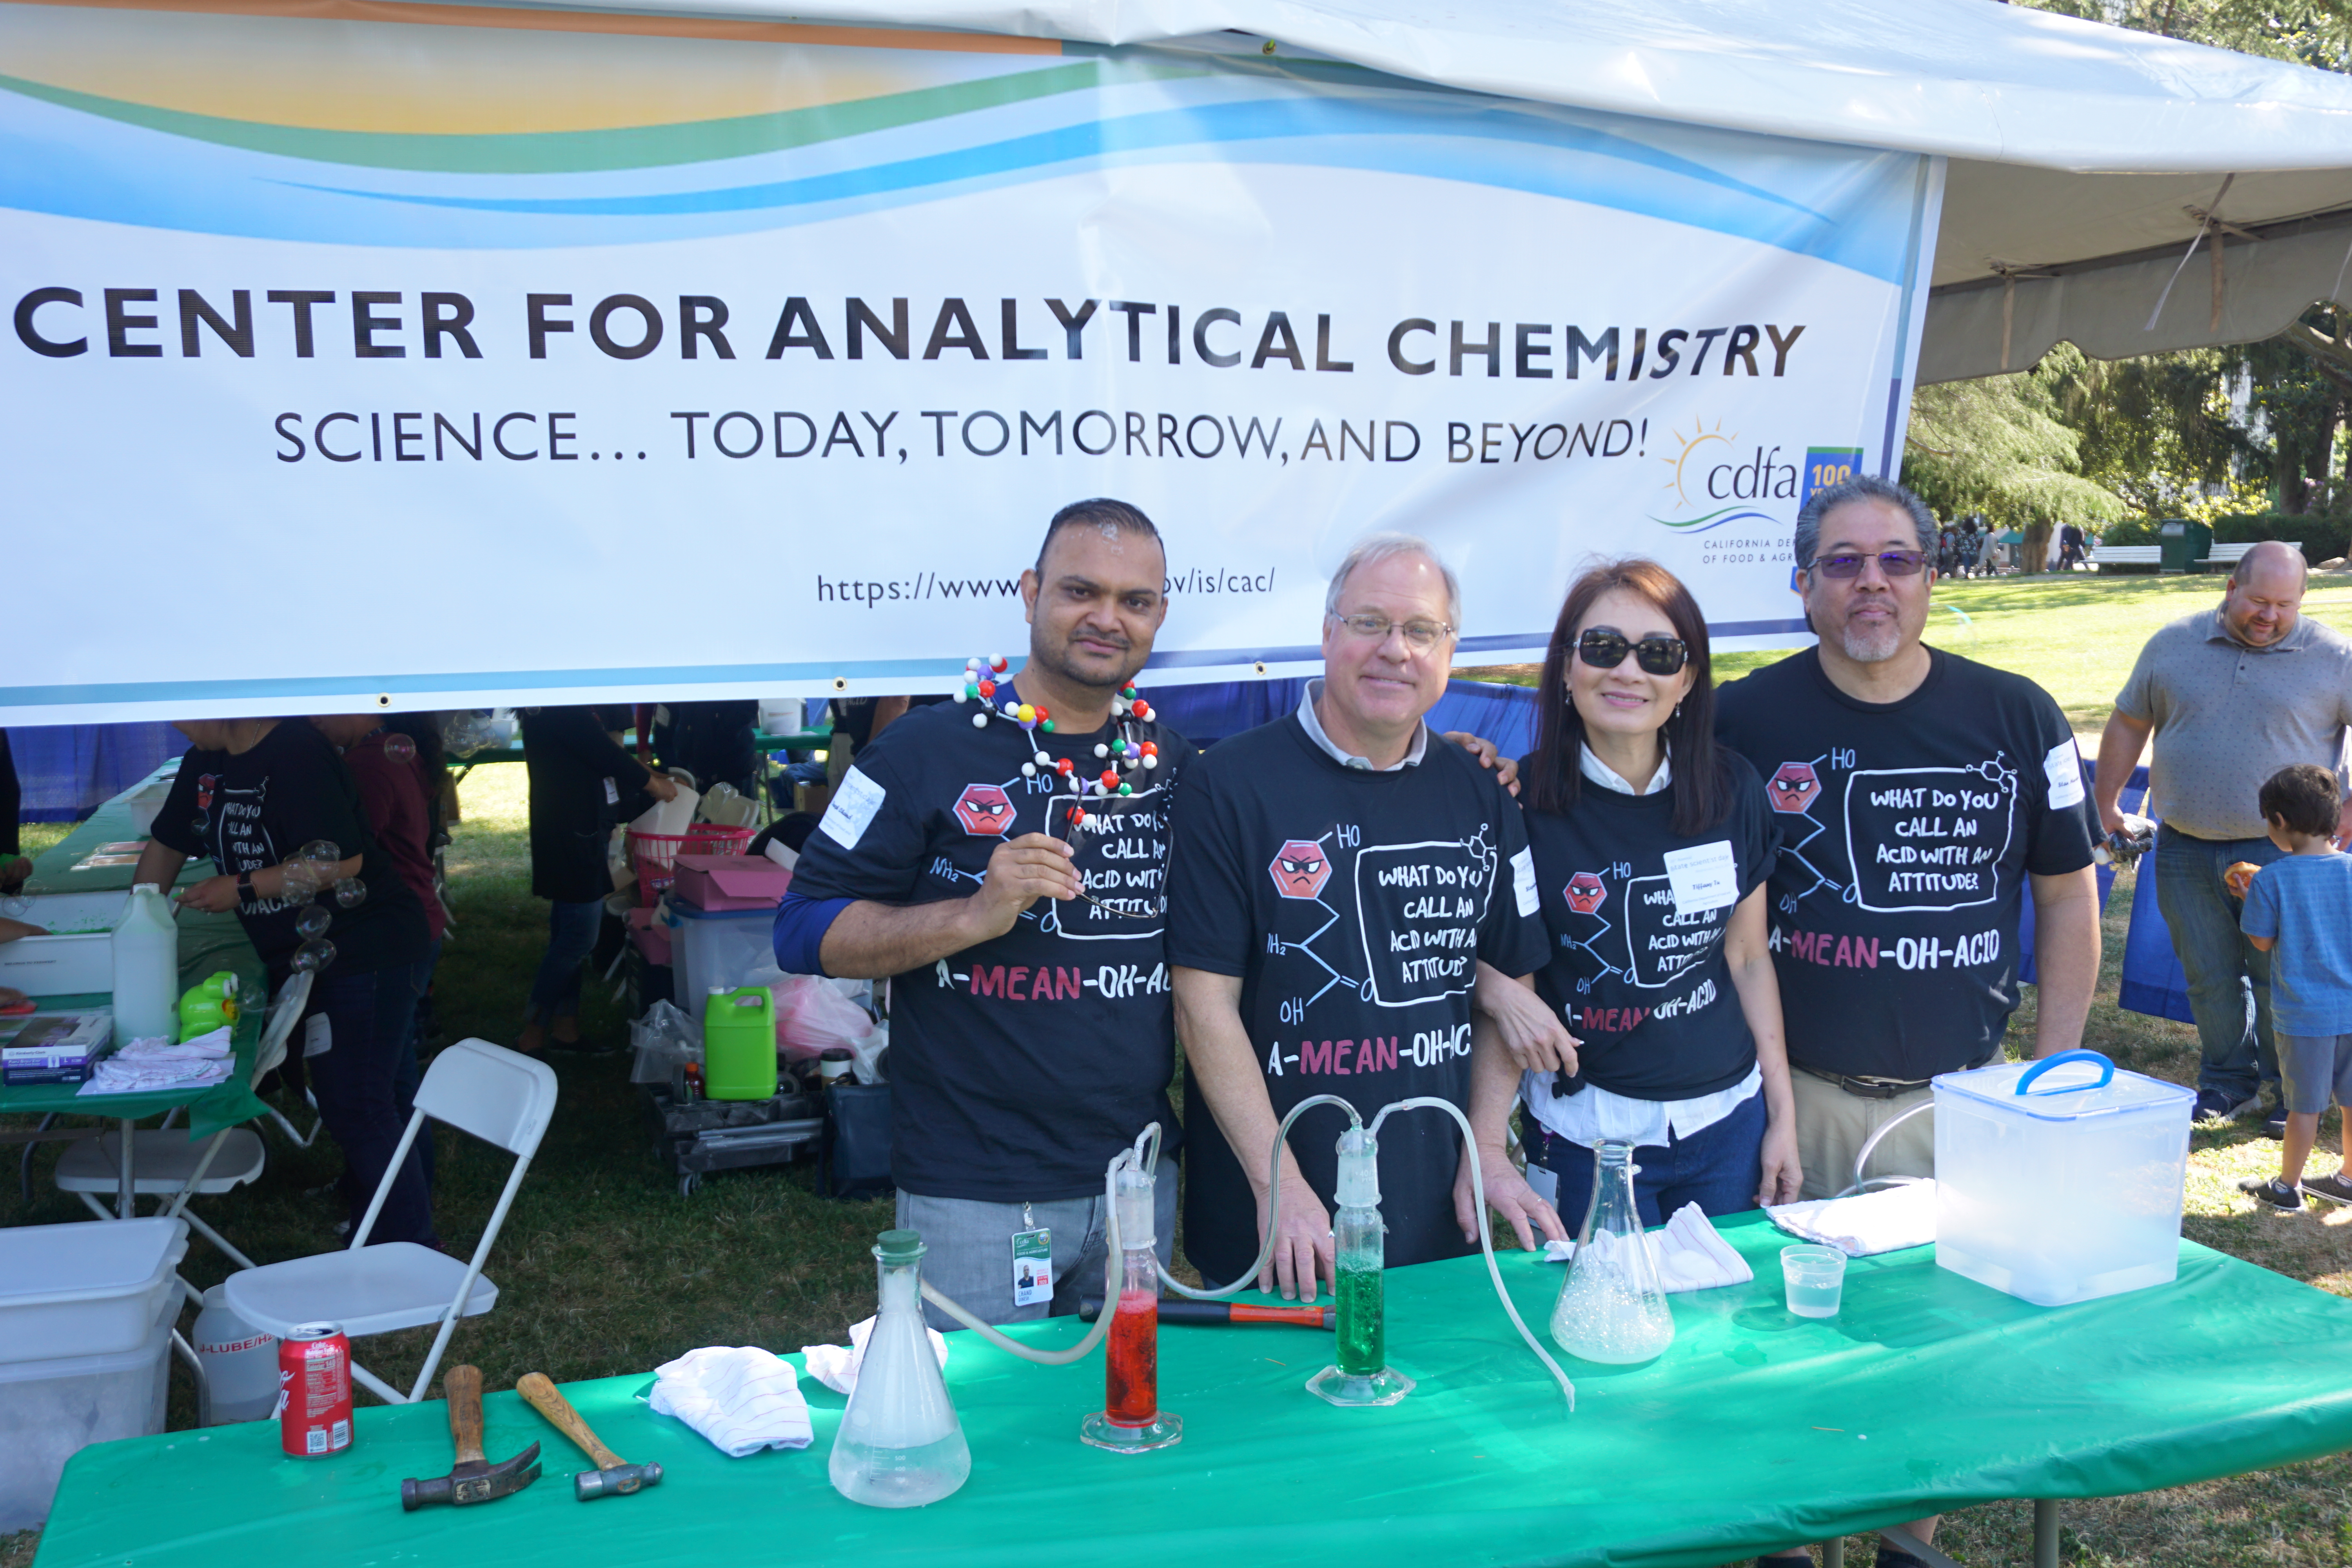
(68, 771)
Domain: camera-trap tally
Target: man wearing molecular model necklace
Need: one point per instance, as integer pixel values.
(1002, 859)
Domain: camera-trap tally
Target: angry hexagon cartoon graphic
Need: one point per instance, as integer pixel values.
(1300, 868)
(1793, 788)
(1584, 892)
(984, 811)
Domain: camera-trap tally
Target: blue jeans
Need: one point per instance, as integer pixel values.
(2228, 981)
(410, 1074)
(1717, 1168)
(356, 1083)
(571, 937)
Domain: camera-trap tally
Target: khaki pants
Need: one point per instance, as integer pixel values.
(1833, 1126)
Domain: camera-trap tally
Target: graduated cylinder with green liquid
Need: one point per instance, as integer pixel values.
(1361, 1375)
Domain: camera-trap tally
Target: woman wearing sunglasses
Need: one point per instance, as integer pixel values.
(1652, 847)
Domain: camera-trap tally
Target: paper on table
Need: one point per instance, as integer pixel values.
(741, 1397)
(1867, 1223)
(1691, 1255)
(835, 1366)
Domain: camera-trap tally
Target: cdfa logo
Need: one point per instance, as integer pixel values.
(1709, 474)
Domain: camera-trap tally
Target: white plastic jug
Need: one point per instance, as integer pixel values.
(240, 1364)
(146, 967)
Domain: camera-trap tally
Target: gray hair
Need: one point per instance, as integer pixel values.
(1861, 487)
(1375, 548)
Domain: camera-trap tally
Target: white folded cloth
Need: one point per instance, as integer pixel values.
(1691, 1255)
(835, 1366)
(743, 1398)
(155, 1062)
(1883, 1220)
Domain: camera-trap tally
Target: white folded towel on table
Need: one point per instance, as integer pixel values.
(156, 1063)
(1691, 1255)
(1883, 1220)
(835, 1366)
(743, 1398)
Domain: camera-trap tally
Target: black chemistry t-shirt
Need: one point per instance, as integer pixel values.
(1018, 1068)
(259, 809)
(1637, 973)
(1906, 833)
(1354, 907)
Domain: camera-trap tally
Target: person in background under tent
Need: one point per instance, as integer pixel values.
(581, 785)
(388, 769)
(251, 794)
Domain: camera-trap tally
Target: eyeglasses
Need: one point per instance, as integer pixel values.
(1893, 563)
(1419, 635)
(1655, 655)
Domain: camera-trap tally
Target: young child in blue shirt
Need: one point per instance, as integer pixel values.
(2299, 910)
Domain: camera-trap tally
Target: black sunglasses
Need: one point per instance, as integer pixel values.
(1655, 655)
(1893, 563)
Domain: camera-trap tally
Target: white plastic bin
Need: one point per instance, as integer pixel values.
(719, 948)
(95, 1287)
(59, 965)
(76, 914)
(2059, 1181)
(85, 1347)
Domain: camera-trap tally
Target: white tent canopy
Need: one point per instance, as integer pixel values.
(2085, 159)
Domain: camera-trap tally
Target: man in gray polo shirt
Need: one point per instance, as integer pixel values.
(2232, 695)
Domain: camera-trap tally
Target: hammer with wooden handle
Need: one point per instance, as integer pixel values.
(611, 1476)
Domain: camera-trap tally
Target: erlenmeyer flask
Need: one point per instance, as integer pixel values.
(1613, 1307)
(901, 1445)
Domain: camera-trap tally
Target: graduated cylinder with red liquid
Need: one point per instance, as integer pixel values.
(1131, 1420)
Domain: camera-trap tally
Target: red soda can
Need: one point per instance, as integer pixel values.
(314, 1390)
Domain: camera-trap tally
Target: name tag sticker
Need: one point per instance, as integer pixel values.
(318, 1036)
(852, 808)
(611, 792)
(2064, 767)
(1703, 877)
(1523, 882)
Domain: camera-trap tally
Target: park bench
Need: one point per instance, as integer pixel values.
(2153, 554)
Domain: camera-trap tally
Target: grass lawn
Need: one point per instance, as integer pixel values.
(604, 1269)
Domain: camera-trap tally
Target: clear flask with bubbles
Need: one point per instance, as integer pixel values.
(1612, 1305)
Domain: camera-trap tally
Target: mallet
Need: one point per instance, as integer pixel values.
(613, 1476)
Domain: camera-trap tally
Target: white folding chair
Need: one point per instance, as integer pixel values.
(500, 1097)
(167, 1162)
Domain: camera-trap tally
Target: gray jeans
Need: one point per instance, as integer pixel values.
(969, 1249)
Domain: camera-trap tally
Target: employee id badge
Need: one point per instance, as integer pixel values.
(1032, 1267)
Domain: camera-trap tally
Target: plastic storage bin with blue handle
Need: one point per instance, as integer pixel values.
(2059, 1181)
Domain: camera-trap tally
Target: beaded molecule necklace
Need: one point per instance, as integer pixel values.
(1125, 753)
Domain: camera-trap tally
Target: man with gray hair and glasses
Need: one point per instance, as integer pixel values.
(1920, 796)
(1336, 882)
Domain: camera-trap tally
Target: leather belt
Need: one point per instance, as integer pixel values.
(1869, 1088)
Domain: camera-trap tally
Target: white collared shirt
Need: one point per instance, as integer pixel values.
(1314, 723)
(1596, 1116)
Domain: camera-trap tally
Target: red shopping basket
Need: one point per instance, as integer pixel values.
(655, 855)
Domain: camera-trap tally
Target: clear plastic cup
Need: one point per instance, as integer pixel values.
(1814, 1277)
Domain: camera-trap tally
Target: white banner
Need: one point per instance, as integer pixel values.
(412, 365)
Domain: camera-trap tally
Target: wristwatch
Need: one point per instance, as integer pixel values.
(244, 887)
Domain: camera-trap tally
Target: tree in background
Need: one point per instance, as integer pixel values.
(2002, 446)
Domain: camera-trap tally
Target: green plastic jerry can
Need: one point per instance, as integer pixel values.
(739, 1044)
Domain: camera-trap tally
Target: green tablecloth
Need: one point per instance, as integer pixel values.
(1755, 1429)
(225, 1104)
(208, 943)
